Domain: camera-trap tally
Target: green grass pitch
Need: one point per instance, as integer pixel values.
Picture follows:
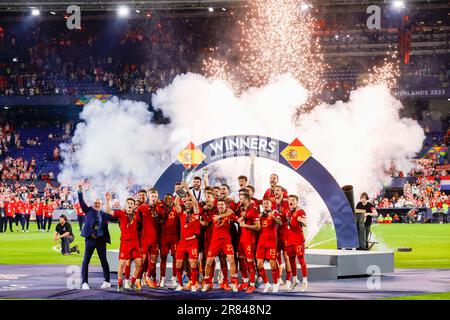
(430, 244)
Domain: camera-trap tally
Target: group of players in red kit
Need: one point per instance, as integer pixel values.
(197, 225)
(19, 211)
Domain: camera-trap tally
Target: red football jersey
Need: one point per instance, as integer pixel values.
(171, 222)
(256, 202)
(39, 209)
(295, 228)
(48, 210)
(190, 224)
(231, 204)
(282, 207)
(270, 194)
(250, 215)
(26, 208)
(149, 217)
(77, 207)
(9, 208)
(16, 207)
(128, 225)
(221, 228)
(207, 215)
(268, 232)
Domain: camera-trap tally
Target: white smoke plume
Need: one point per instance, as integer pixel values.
(355, 141)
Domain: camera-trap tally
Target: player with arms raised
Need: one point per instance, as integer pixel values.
(129, 239)
(221, 244)
(188, 244)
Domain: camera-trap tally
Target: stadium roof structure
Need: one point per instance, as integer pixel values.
(107, 5)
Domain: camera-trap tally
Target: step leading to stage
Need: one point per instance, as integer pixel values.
(352, 262)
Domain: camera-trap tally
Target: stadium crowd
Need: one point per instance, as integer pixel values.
(116, 60)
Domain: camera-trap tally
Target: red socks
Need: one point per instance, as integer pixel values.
(163, 265)
(180, 275)
(275, 273)
(293, 265)
(243, 267)
(119, 282)
(251, 270)
(194, 275)
(133, 280)
(127, 271)
(288, 275)
(263, 274)
(151, 269)
(302, 261)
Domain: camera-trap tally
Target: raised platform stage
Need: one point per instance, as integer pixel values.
(323, 264)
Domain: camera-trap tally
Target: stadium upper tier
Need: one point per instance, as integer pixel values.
(137, 56)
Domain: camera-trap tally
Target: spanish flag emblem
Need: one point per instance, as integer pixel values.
(296, 153)
(190, 156)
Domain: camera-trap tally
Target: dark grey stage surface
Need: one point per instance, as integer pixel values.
(55, 281)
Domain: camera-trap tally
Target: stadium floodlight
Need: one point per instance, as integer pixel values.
(123, 11)
(35, 12)
(398, 4)
(211, 9)
(52, 13)
(138, 11)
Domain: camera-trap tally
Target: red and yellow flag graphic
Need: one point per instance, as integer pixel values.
(190, 156)
(296, 153)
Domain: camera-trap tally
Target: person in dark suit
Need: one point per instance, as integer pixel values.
(96, 234)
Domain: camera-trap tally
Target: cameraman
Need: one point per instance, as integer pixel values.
(64, 233)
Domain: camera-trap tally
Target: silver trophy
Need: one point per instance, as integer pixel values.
(187, 177)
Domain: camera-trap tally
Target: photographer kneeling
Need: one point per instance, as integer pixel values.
(63, 231)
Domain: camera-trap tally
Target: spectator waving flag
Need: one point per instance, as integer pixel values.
(445, 183)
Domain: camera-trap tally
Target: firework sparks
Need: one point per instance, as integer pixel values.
(387, 74)
(276, 38)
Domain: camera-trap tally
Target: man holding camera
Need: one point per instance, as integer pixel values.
(64, 233)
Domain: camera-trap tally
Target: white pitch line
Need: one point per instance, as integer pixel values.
(321, 242)
(54, 248)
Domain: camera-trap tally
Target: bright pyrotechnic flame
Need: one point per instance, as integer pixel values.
(276, 38)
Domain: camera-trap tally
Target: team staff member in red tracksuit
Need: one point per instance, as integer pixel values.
(81, 216)
(19, 214)
(39, 211)
(2, 217)
(26, 210)
(10, 208)
(48, 214)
